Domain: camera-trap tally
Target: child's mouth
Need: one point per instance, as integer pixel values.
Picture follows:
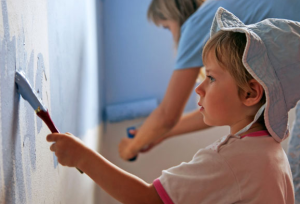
(201, 107)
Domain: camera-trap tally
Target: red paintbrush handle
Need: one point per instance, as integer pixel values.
(47, 119)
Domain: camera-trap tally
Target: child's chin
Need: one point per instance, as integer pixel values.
(208, 122)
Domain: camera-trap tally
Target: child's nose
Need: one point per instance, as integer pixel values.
(199, 89)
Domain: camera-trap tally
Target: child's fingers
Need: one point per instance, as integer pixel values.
(51, 137)
(53, 147)
(54, 137)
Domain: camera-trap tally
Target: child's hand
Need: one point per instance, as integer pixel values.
(68, 149)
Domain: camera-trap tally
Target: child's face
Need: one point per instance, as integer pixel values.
(220, 103)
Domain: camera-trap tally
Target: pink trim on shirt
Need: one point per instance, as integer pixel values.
(257, 134)
(162, 192)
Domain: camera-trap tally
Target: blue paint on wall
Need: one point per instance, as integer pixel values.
(139, 57)
(15, 187)
(40, 73)
(29, 114)
(70, 107)
(9, 101)
(18, 157)
(74, 97)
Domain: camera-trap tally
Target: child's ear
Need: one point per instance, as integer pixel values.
(253, 94)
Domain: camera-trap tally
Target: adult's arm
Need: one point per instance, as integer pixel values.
(166, 115)
(188, 123)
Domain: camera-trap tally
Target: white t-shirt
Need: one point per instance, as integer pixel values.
(252, 169)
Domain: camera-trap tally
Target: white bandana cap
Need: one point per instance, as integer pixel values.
(272, 57)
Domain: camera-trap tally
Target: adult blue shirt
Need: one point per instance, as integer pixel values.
(196, 30)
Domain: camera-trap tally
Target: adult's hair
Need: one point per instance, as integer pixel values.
(176, 10)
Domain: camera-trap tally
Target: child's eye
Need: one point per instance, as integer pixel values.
(211, 79)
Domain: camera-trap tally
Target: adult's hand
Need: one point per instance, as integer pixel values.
(165, 116)
(127, 150)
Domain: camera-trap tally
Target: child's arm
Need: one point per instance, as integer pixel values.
(120, 184)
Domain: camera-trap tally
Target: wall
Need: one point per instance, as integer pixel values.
(139, 57)
(55, 43)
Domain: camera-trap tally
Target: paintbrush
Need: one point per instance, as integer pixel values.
(28, 93)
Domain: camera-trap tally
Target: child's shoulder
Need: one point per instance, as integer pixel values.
(238, 151)
(234, 143)
(220, 142)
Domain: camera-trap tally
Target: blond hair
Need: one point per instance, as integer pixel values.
(176, 10)
(233, 44)
(228, 48)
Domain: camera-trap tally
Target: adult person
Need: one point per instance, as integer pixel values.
(189, 22)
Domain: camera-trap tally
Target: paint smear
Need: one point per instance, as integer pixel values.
(17, 175)
(29, 116)
(8, 101)
(39, 85)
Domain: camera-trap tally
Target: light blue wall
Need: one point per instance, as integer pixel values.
(139, 57)
(73, 66)
(55, 43)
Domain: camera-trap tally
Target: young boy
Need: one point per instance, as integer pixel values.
(252, 82)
